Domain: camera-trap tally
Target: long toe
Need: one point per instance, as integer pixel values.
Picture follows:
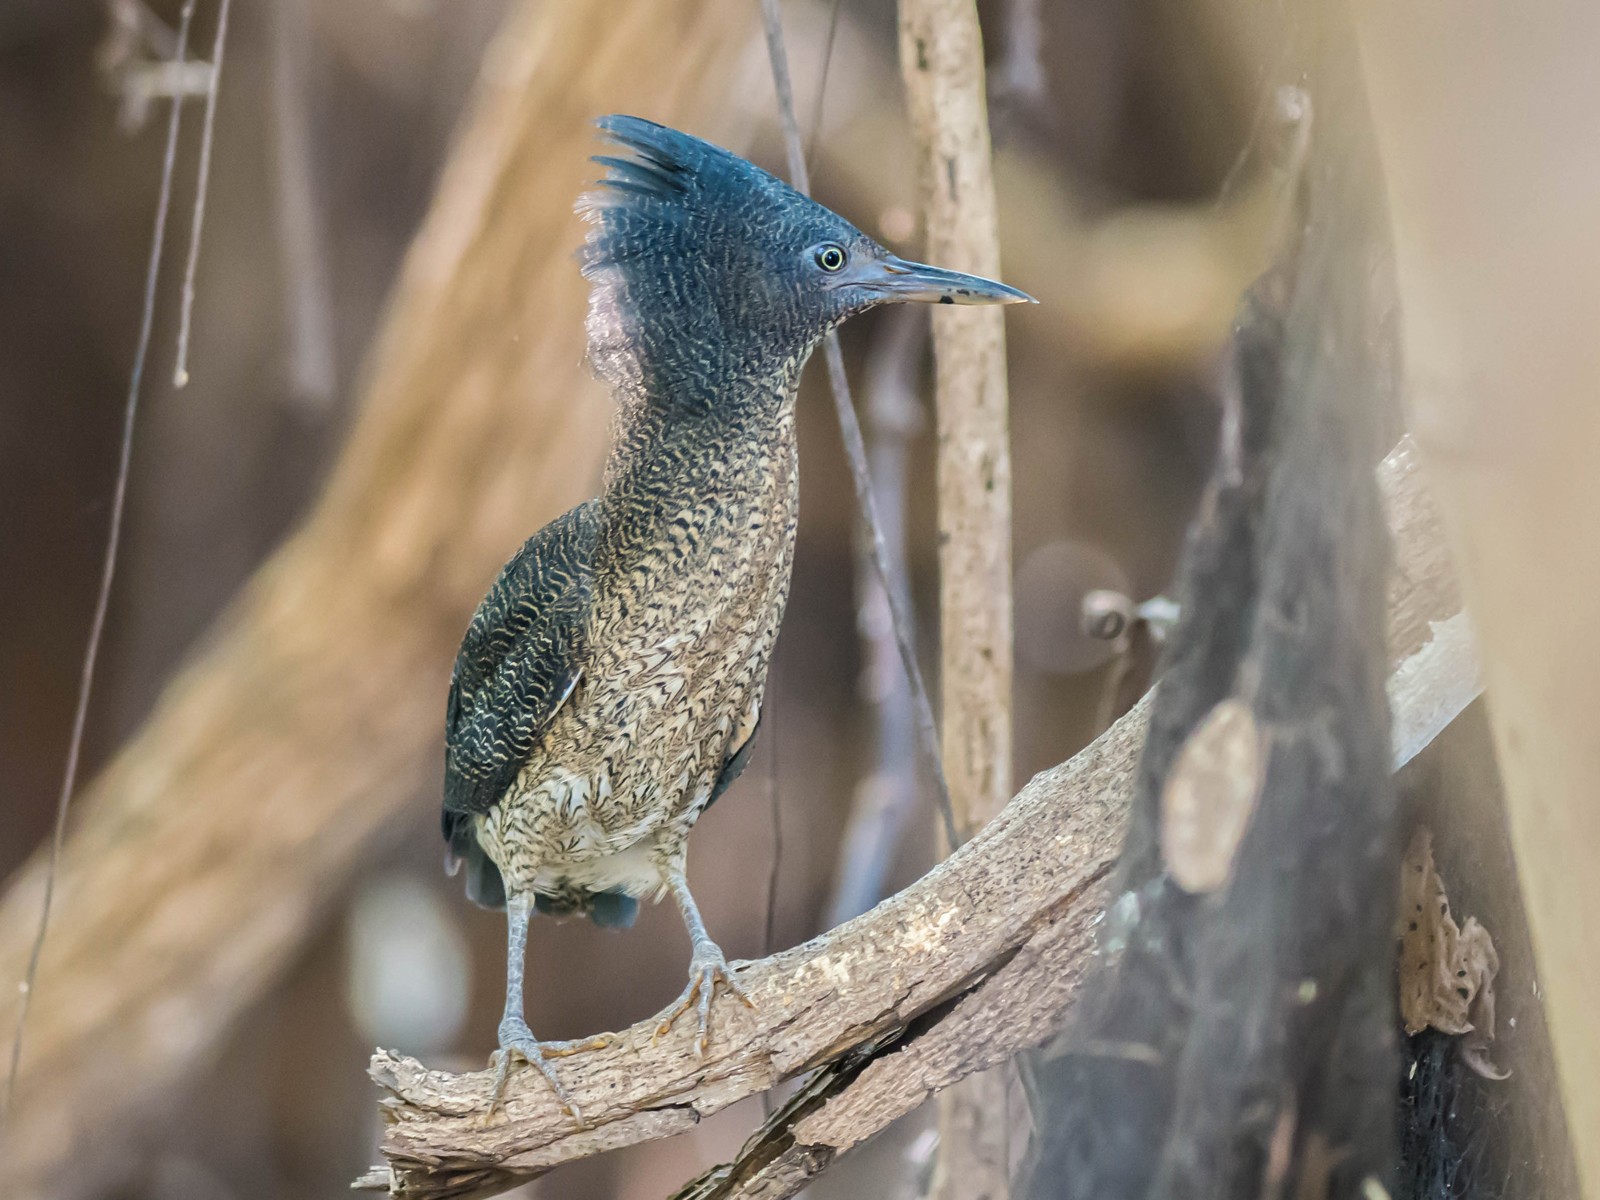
(705, 976)
(529, 1050)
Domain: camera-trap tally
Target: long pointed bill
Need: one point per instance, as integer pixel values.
(896, 279)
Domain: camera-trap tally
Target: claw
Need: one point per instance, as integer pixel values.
(563, 1049)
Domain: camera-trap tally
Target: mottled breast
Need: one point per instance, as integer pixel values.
(688, 600)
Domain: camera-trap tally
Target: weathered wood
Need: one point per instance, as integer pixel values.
(299, 735)
(842, 1106)
(1006, 919)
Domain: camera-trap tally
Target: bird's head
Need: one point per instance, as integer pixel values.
(706, 266)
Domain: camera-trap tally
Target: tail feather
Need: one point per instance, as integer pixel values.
(609, 910)
(613, 910)
(487, 887)
(484, 884)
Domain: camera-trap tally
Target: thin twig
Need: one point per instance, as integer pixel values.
(180, 373)
(108, 569)
(822, 82)
(1021, 81)
(307, 321)
(887, 799)
(855, 449)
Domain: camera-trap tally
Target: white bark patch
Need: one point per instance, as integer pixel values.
(1209, 796)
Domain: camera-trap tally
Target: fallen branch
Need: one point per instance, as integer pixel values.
(1000, 928)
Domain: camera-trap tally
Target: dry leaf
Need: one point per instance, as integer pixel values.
(1446, 971)
(1209, 796)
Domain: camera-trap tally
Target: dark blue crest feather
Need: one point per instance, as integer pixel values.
(690, 246)
(669, 188)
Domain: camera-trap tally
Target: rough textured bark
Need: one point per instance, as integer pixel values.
(309, 722)
(1002, 928)
(1479, 110)
(941, 58)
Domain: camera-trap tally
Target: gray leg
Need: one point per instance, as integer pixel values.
(518, 910)
(707, 966)
(516, 1039)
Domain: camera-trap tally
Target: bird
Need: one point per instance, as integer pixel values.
(609, 686)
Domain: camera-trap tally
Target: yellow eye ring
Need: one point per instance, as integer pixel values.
(831, 258)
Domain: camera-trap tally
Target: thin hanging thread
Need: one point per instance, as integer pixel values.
(180, 373)
(109, 567)
(855, 448)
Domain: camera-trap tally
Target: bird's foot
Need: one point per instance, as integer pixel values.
(707, 969)
(517, 1041)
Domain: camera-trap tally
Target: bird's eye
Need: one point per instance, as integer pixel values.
(830, 258)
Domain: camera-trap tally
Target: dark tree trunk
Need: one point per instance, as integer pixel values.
(1238, 1038)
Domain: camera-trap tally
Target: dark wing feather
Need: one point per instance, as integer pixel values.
(519, 661)
(735, 764)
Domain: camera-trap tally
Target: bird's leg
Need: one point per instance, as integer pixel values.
(516, 1039)
(707, 967)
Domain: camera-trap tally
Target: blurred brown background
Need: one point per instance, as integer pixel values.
(1123, 169)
